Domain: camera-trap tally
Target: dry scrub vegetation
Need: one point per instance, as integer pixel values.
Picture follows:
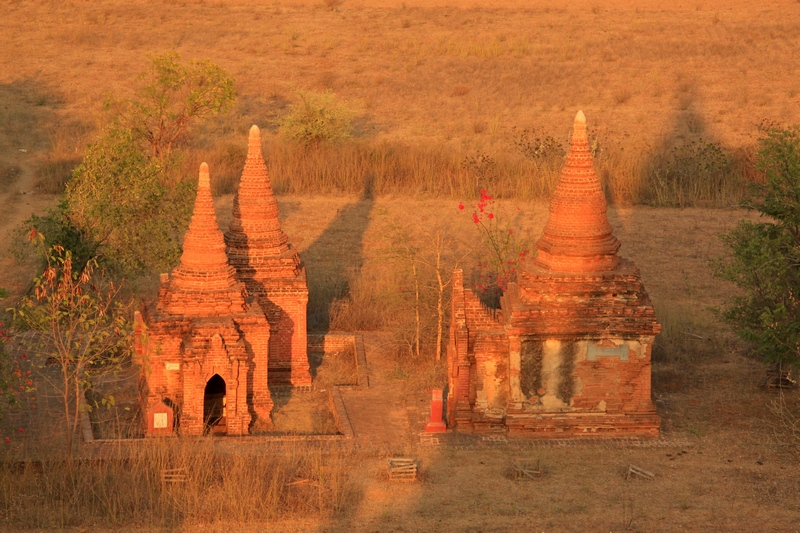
(124, 487)
(726, 470)
(447, 99)
(664, 88)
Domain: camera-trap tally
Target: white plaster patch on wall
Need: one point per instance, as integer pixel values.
(594, 351)
(581, 348)
(159, 420)
(490, 382)
(551, 377)
(577, 387)
(514, 360)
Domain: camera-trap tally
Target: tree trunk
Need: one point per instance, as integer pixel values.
(416, 308)
(439, 302)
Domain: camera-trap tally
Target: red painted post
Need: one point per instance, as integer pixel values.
(435, 424)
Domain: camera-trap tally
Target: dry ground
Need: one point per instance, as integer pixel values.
(460, 73)
(461, 77)
(725, 472)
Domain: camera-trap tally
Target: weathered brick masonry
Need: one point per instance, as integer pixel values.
(568, 352)
(270, 268)
(230, 320)
(201, 327)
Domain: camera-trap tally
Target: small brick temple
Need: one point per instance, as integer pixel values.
(232, 313)
(567, 354)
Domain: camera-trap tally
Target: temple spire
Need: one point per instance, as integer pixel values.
(255, 226)
(204, 265)
(577, 236)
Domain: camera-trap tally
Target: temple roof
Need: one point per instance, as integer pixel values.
(255, 229)
(577, 236)
(203, 284)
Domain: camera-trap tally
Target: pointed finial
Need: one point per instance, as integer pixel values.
(254, 143)
(579, 128)
(204, 182)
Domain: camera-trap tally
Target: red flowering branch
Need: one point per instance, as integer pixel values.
(503, 251)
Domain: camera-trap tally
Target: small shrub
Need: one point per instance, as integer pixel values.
(622, 96)
(482, 167)
(699, 172)
(333, 5)
(765, 256)
(318, 118)
(53, 175)
(539, 147)
(460, 90)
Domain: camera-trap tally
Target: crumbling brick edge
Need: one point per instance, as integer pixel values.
(340, 413)
(333, 341)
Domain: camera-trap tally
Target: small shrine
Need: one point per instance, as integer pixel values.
(204, 349)
(567, 354)
(230, 321)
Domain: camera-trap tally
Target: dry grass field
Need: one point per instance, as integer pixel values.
(434, 83)
(723, 468)
(431, 86)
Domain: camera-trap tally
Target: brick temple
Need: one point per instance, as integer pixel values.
(567, 354)
(271, 269)
(231, 314)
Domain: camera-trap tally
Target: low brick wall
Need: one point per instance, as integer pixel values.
(342, 341)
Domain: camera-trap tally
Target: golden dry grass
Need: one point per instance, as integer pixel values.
(455, 78)
(716, 68)
(434, 83)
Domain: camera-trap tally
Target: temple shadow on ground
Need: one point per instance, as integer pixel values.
(688, 166)
(335, 258)
(332, 262)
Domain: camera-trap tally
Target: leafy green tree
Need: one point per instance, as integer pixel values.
(79, 323)
(123, 207)
(127, 203)
(172, 95)
(765, 256)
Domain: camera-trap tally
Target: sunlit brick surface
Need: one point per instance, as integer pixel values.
(267, 263)
(568, 352)
(202, 326)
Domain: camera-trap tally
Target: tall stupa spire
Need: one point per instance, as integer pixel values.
(577, 236)
(255, 226)
(204, 265)
(270, 267)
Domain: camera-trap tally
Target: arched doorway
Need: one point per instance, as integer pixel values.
(214, 407)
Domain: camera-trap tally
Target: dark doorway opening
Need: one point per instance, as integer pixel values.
(214, 407)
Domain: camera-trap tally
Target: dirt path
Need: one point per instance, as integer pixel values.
(379, 415)
(19, 199)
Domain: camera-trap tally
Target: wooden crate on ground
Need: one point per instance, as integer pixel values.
(402, 469)
(634, 470)
(173, 476)
(526, 468)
